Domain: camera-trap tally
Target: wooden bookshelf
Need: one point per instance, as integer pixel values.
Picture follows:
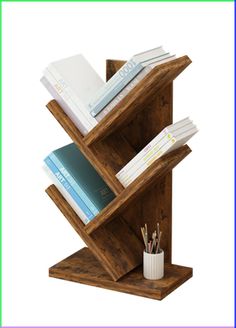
(114, 257)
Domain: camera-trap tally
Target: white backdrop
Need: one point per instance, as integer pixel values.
(36, 235)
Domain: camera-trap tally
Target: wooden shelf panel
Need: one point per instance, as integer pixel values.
(115, 245)
(143, 94)
(83, 267)
(145, 181)
(105, 171)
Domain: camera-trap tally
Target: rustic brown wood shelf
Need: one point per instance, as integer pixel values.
(84, 268)
(114, 257)
(145, 181)
(143, 93)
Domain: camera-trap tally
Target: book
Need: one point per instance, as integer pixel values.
(166, 136)
(75, 81)
(124, 92)
(61, 179)
(83, 177)
(66, 195)
(121, 78)
(149, 147)
(69, 178)
(172, 144)
(65, 103)
(71, 109)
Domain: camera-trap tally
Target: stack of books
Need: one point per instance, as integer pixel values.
(85, 97)
(78, 182)
(72, 82)
(170, 138)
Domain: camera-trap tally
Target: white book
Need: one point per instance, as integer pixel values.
(52, 88)
(66, 195)
(80, 80)
(152, 143)
(132, 84)
(171, 145)
(74, 113)
(80, 75)
(66, 87)
(167, 136)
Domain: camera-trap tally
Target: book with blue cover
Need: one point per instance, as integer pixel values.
(66, 195)
(71, 181)
(67, 187)
(82, 177)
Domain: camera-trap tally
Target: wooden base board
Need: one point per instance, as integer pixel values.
(83, 267)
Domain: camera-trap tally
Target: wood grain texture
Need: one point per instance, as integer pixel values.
(143, 94)
(145, 181)
(113, 153)
(115, 245)
(106, 172)
(83, 267)
(156, 204)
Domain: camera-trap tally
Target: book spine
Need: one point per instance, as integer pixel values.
(81, 107)
(147, 157)
(130, 178)
(53, 90)
(123, 93)
(142, 153)
(121, 80)
(74, 184)
(68, 188)
(66, 195)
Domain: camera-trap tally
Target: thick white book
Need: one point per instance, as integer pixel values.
(121, 78)
(144, 152)
(66, 195)
(76, 77)
(79, 79)
(65, 104)
(171, 145)
(79, 75)
(132, 84)
(74, 113)
(80, 107)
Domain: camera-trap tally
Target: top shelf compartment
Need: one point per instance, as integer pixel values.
(143, 94)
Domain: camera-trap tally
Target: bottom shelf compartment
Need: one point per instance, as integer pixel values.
(83, 267)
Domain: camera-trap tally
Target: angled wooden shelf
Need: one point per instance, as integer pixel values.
(145, 181)
(141, 95)
(77, 138)
(115, 252)
(107, 242)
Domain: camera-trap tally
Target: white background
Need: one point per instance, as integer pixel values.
(36, 235)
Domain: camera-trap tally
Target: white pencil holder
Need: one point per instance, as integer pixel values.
(153, 265)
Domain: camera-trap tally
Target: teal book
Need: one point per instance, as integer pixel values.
(83, 178)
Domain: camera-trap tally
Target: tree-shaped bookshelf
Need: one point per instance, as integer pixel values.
(113, 259)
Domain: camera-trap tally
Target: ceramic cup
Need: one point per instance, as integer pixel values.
(153, 265)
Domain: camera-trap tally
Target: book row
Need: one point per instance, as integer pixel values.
(82, 93)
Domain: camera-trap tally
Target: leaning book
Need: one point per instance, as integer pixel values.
(82, 177)
(72, 81)
(122, 77)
